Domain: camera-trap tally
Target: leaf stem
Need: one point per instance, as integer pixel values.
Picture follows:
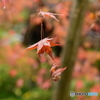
(41, 30)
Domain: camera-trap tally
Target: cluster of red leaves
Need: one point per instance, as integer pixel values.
(44, 46)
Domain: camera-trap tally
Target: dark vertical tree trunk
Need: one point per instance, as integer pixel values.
(62, 91)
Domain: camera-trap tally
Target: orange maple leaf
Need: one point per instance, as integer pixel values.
(56, 71)
(56, 74)
(48, 14)
(44, 45)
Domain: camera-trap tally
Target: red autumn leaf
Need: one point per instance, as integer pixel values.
(44, 45)
(56, 74)
(56, 71)
(48, 14)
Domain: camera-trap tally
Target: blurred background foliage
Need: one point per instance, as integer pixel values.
(22, 75)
